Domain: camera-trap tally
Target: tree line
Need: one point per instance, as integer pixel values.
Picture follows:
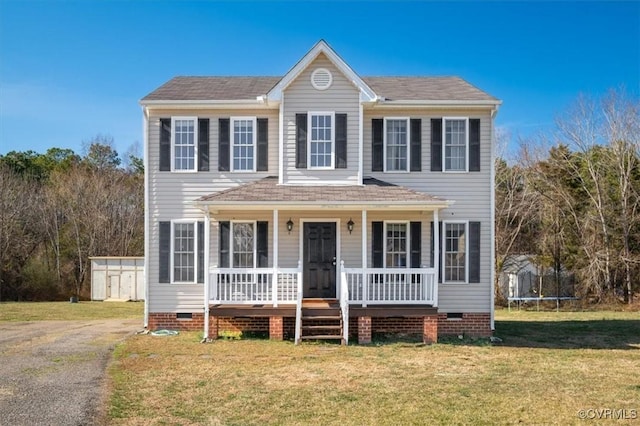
(59, 208)
(570, 199)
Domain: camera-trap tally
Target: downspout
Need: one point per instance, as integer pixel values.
(360, 143)
(207, 231)
(147, 231)
(494, 111)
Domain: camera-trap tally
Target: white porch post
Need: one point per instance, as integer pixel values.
(274, 279)
(364, 276)
(207, 230)
(436, 254)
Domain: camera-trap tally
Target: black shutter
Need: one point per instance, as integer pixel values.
(164, 252)
(223, 243)
(223, 145)
(377, 145)
(416, 145)
(436, 144)
(416, 244)
(263, 145)
(203, 145)
(474, 145)
(474, 252)
(262, 244)
(377, 232)
(433, 243)
(341, 141)
(200, 252)
(301, 141)
(165, 144)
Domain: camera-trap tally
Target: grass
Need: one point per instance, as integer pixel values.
(548, 367)
(45, 311)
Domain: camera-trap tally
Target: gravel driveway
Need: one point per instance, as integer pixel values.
(53, 372)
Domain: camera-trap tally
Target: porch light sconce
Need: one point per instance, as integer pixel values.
(289, 225)
(350, 225)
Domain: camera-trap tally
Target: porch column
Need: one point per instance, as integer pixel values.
(364, 239)
(207, 230)
(274, 282)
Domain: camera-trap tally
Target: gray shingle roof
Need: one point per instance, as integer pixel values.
(212, 88)
(248, 88)
(268, 190)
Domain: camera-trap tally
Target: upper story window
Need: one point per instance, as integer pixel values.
(321, 140)
(396, 243)
(184, 143)
(456, 144)
(396, 144)
(455, 252)
(243, 143)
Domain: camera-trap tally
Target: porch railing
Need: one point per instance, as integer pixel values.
(254, 285)
(370, 286)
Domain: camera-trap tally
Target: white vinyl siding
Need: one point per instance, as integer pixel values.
(456, 144)
(471, 193)
(184, 142)
(171, 197)
(302, 98)
(321, 140)
(396, 144)
(243, 144)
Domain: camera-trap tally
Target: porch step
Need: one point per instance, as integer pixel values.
(322, 337)
(326, 311)
(322, 327)
(321, 317)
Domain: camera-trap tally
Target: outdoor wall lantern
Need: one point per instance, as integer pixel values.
(350, 225)
(289, 225)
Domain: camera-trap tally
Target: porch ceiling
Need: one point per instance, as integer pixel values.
(372, 195)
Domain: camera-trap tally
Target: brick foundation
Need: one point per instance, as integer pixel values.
(474, 325)
(170, 321)
(364, 330)
(276, 328)
(361, 328)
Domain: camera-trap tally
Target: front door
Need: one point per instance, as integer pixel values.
(319, 266)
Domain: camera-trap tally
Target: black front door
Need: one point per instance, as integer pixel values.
(319, 268)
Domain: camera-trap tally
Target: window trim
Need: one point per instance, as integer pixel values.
(384, 145)
(254, 224)
(407, 231)
(444, 251)
(172, 253)
(254, 143)
(195, 144)
(310, 115)
(444, 145)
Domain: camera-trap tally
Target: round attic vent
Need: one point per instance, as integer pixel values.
(321, 79)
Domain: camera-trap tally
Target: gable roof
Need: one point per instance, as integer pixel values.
(322, 47)
(373, 192)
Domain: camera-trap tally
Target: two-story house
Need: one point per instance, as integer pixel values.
(320, 204)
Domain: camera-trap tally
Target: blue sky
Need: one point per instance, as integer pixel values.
(70, 70)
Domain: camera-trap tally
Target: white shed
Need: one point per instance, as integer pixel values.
(117, 278)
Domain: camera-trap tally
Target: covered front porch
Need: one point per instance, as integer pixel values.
(366, 251)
